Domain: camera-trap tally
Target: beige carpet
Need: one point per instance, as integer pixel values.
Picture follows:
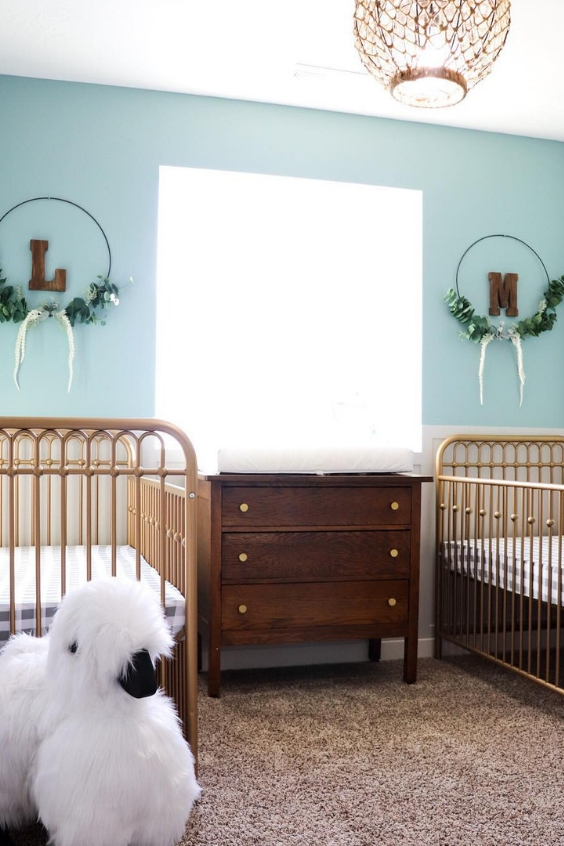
(351, 756)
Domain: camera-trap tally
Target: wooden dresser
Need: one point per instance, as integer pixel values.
(288, 558)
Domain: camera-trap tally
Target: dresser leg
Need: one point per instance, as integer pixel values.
(410, 660)
(374, 649)
(214, 671)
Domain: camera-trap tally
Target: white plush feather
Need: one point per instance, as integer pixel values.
(22, 699)
(108, 778)
(109, 769)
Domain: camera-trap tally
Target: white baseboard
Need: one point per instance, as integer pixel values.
(393, 649)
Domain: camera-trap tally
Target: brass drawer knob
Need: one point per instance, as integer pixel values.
(243, 609)
(243, 507)
(394, 553)
(394, 506)
(391, 601)
(242, 556)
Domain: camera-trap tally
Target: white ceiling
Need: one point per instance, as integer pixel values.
(295, 52)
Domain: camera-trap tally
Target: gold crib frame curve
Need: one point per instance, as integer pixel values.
(53, 467)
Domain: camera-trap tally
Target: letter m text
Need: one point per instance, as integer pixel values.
(503, 294)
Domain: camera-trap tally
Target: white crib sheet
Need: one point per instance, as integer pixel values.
(76, 576)
(530, 567)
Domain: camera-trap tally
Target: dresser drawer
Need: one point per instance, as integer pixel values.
(308, 556)
(315, 506)
(276, 606)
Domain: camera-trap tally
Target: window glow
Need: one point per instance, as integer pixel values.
(288, 311)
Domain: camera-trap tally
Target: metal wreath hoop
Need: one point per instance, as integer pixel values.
(70, 203)
(484, 238)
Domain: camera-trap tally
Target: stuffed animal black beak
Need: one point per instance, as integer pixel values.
(140, 678)
(5, 839)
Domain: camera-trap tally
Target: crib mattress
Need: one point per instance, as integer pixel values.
(530, 567)
(75, 577)
(344, 459)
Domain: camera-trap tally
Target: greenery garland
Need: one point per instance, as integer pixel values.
(479, 327)
(481, 330)
(91, 308)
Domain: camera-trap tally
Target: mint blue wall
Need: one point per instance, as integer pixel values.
(101, 147)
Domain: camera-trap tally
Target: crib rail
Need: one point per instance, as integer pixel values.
(88, 482)
(500, 553)
(156, 526)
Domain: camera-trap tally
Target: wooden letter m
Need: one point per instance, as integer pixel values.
(503, 294)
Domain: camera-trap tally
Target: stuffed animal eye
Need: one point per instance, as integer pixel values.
(73, 647)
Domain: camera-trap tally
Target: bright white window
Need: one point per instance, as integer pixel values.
(288, 311)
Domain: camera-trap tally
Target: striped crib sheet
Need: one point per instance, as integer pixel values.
(25, 588)
(532, 567)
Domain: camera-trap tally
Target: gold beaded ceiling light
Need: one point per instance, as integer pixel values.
(430, 53)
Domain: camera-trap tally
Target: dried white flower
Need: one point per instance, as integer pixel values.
(483, 346)
(66, 325)
(516, 341)
(34, 317)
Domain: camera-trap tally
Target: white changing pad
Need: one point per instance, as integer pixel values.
(321, 460)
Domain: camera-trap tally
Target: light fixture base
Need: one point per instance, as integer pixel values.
(428, 88)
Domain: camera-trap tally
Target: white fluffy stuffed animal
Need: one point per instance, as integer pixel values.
(96, 750)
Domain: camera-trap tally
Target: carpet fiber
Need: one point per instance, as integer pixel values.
(471, 755)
